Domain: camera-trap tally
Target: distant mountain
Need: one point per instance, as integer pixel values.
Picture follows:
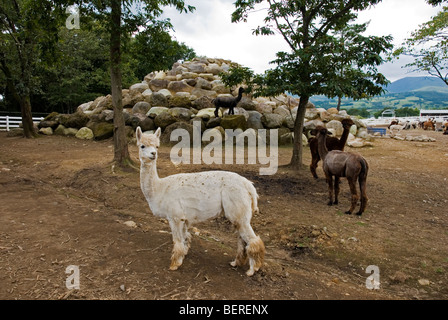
(415, 83)
(412, 92)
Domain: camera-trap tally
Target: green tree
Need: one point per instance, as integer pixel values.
(28, 32)
(428, 45)
(312, 29)
(121, 18)
(154, 50)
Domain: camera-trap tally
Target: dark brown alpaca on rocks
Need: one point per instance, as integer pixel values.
(333, 143)
(343, 164)
(227, 102)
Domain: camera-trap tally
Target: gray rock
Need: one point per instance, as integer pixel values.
(84, 134)
(254, 120)
(234, 122)
(141, 107)
(272, 120)
(164, 119)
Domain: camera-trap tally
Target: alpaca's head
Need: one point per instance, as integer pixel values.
(240, 90)
(148, 145)
(322, 131)
(347, 123)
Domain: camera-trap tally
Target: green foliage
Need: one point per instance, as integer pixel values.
(238, 75)
(153, 50)
(328, 55)
(363, 112)
(70, 67)
(429, 46)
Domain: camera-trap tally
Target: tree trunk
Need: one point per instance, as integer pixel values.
(339, 103)
(296, 160)
(121, 151)
(24, 101)
(27, 118)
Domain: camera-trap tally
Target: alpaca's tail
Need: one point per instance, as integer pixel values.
(254, 196)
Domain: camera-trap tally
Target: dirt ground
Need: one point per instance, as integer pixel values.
(62, 203)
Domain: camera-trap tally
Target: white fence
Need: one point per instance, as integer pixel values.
(7, 122)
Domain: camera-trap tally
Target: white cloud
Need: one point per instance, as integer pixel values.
(210, 32)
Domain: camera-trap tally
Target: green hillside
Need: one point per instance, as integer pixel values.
(424, 97)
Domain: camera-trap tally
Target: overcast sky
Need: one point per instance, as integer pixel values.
(210, 33)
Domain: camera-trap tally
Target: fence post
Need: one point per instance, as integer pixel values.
(7, 123)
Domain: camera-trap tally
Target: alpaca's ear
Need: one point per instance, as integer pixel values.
(138, 134)
(158, 132)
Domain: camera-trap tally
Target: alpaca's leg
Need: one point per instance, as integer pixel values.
(330, 188)
(241, 254)
(336, 189)
(355, 197)
(217, 112)
(364, 199)
(255, 248)
(179, 239)
(186, 235)
(313, 166)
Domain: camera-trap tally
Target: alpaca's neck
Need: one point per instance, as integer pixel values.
(149, 179)
(344, 137)
(240, 95)
(322, 146)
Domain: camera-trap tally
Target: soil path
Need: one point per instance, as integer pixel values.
(63, 204)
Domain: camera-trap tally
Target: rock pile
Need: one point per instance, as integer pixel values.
(175, 98)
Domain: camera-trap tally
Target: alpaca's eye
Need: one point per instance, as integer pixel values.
(143, 147)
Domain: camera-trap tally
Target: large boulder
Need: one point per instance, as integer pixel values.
(158, 84)
(75, 120)
(142, 121)
(203, 102)
(182, 114)
(196, 67)
(164, 119)
(336, 126)
(265, 107)
(63, 131)
(101, 130)
(84, 134)
(157, 99)
(247, 104)
(208, 112)
(234, 122)
(165, 138)
(155, 111)
(48, 131)
(254, 120)
(139, 86)
(179, 86)
(180, 101)
(141, 107)
(130, 98)
(272, 120)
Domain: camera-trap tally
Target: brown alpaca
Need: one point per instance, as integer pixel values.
(343, 164)
(333, 143)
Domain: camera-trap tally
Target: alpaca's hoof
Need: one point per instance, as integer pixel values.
(233, 264)
(336, 202)
(359, 213)
(348, 212)
(250, 272)
(330, 203)
(173, 268)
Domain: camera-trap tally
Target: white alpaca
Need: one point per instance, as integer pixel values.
(187, 198)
